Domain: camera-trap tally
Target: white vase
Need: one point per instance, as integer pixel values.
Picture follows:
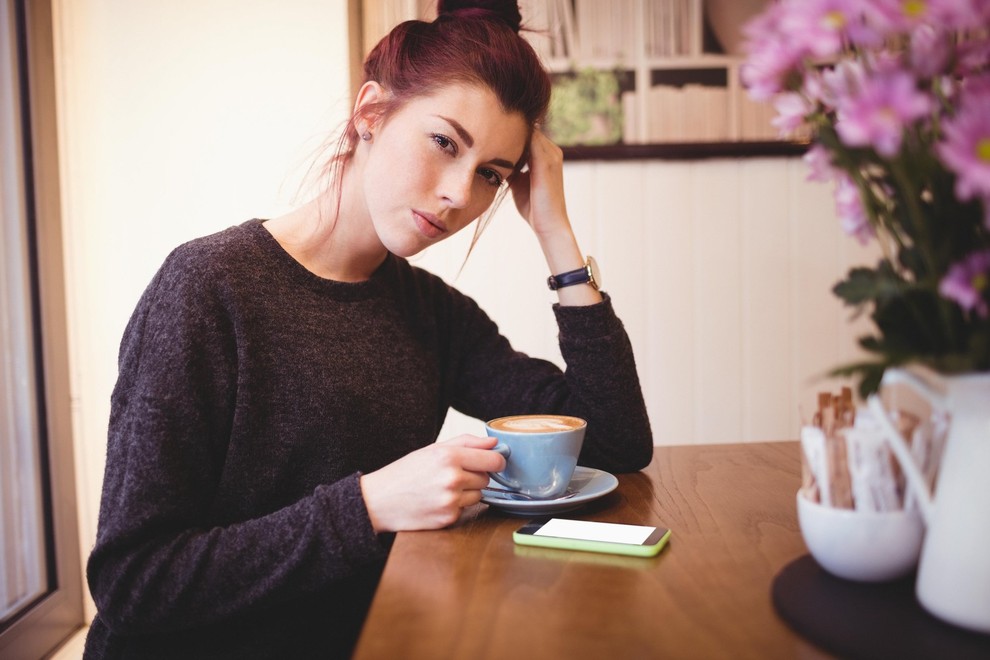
(954, 570)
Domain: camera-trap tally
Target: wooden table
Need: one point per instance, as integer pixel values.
(470, 592)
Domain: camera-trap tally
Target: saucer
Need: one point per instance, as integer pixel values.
(588, 483)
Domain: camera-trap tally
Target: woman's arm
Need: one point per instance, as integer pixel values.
(539, 197)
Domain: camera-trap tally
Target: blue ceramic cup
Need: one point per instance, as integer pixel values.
(541, 452)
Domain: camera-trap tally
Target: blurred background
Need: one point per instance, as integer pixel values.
(174, 120)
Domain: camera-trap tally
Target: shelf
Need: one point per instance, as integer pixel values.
(692, 96)
(685, 150)
(562, 65)
(709, 61)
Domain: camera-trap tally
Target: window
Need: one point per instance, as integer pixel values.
(22, 550)
(40, 583)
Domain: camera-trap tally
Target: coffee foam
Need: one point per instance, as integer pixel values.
(537, 424)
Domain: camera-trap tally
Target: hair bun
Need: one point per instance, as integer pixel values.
(506, 11)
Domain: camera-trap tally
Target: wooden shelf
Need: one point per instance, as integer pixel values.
(685, 150)
(693, 95)
(691, 62)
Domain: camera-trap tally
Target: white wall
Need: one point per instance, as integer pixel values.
(180, 118)
(721, 271)
(176, 119)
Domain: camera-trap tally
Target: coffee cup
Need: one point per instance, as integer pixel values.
(540, 450)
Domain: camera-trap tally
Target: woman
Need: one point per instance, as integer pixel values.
(282, 383)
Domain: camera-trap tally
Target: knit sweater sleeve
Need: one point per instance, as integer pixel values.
(600, 382)
(162, 561)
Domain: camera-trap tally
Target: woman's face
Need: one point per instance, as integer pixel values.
(435, 165)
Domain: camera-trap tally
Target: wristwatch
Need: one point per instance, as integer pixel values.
(587, 274)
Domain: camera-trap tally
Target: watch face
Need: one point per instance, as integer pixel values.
(596, 278)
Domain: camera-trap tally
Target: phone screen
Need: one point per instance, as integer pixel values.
(618, 538)
(595, 531)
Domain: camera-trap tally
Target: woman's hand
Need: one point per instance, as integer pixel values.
(539, 192)
(539, 197)
(427, 488)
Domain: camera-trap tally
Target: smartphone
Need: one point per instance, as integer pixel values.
(615, 538)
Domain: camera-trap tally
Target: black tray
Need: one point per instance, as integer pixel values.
(864, 620)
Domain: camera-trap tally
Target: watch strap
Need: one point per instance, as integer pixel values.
(578, 276)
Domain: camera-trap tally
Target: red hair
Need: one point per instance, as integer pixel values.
(470, 42)
(473, 43)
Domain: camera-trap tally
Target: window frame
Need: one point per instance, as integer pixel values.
(48, 621)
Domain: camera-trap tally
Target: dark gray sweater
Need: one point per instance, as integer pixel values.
(252, 394)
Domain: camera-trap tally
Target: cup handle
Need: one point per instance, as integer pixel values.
(505, 451)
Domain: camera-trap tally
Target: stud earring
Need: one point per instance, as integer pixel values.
(366, 136)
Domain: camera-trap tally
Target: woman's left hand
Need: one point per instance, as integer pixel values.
(539, 197)
(539, 192)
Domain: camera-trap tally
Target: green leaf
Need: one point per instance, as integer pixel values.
(864, 284)
(921, 323)
(912, 259)
(869, 374)
(872, 344)
(870, 381)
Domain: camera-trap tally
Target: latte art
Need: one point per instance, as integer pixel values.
(536, 423)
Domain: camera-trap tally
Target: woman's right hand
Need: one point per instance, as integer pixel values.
(428, 488)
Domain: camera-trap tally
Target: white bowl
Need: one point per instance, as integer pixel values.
(861, 545)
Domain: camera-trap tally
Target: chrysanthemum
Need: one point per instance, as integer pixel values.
(771, 56)
(966, 147)
(819, 162)
(852, 214)
(930, 51)
(968, 282)
(876, 114)
(824, 27)
(904, 15)
(837, 82)
(791, 109)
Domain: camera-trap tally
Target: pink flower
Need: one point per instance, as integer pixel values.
(929, 51)
(819, 162)
(823, 27)
(771, 56)
(973, 56)
(876, 114)
(841, 81)
(791, 108)
(968, 282)
(966, 147)
(852, 214)
(904, 15)
(766, 71)
(975, 89)
(960, 14)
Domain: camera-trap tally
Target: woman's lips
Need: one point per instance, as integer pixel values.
(429, 224)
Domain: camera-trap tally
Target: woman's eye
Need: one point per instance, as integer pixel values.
(449, 147)
(492, 177)
(444, 143)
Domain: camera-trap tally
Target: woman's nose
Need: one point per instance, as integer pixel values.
(455, 187)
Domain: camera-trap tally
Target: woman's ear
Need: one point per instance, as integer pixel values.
(370, 93)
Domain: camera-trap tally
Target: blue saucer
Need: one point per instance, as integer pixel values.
(589, 484)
